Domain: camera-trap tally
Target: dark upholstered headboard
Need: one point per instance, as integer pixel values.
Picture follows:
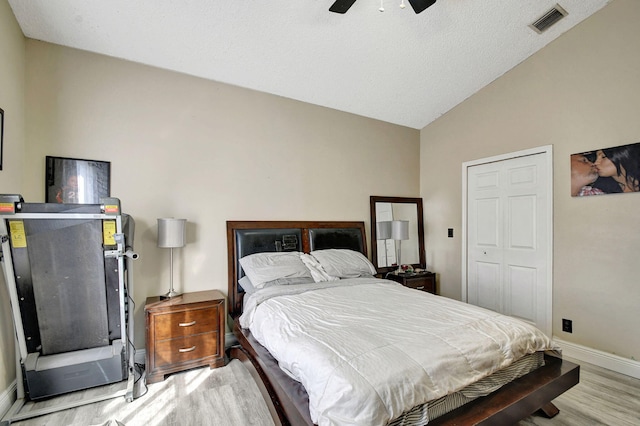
(248, 237)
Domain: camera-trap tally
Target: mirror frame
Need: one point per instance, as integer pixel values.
(374, 246)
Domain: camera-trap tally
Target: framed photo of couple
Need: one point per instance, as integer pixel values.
(606, 171)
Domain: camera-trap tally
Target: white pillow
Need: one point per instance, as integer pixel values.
(246, 285)
(317, 271)
(262, 268)
(249, 288)
(344, 263)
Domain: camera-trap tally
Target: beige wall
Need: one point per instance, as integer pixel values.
(186, 147)
(579, 93)
(12, 83)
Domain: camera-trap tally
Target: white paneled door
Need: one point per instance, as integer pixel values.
(508, 237)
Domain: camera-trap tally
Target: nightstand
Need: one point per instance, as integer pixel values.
(425, 281)
(184, 332)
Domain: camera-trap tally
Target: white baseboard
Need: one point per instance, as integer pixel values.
(7, 398)
(139, 357)
(230, 339)
(602, 359)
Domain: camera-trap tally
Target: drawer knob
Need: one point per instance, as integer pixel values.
(192, 348)
(187, 324)
(420, 288)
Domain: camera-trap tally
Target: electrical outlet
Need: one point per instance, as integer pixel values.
(450, 232)
(567, 325)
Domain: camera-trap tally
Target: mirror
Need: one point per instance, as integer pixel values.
(397, 231)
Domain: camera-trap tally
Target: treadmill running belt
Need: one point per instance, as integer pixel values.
(67, 262)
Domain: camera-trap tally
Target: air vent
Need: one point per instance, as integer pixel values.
(548, 19)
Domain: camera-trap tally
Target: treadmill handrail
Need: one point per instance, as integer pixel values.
(9, 275)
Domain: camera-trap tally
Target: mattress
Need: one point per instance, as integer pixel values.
(369, 351)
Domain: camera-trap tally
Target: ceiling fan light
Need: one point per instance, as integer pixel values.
(341, 6)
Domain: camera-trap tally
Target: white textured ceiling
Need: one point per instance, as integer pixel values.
(394, 66)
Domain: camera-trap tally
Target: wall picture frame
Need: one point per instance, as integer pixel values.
(1, 135)
(76, 181)
(606, 171)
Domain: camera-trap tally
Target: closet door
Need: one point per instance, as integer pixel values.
(507, 238)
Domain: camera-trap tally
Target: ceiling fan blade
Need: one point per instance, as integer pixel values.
(341, 6)
(420, 5)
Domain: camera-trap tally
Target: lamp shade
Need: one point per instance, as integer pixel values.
(400, 229)
(172, 232)
(383, 230)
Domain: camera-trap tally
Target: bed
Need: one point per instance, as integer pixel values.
(531, 388)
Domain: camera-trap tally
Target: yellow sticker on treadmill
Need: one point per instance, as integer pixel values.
(18, 236)
(108, 229)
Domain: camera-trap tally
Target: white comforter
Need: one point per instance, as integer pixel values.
(366, 350)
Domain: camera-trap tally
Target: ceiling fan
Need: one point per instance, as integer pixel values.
(341, 6)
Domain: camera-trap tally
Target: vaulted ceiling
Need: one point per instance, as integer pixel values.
(396, 66)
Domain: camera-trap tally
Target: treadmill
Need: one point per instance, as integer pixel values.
(68, 273)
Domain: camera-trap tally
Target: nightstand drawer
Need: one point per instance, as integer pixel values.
(185, 323)
(424, 281)
(190, 348)
(424, 284)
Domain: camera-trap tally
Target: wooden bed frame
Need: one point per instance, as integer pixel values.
(287, 399)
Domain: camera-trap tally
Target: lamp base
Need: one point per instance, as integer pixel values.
(170, 294)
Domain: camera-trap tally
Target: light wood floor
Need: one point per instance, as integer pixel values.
(602, 397)
(228, 396)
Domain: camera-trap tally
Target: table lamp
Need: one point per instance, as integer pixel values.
(383, 232)
(399, 232)
(171, 234)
